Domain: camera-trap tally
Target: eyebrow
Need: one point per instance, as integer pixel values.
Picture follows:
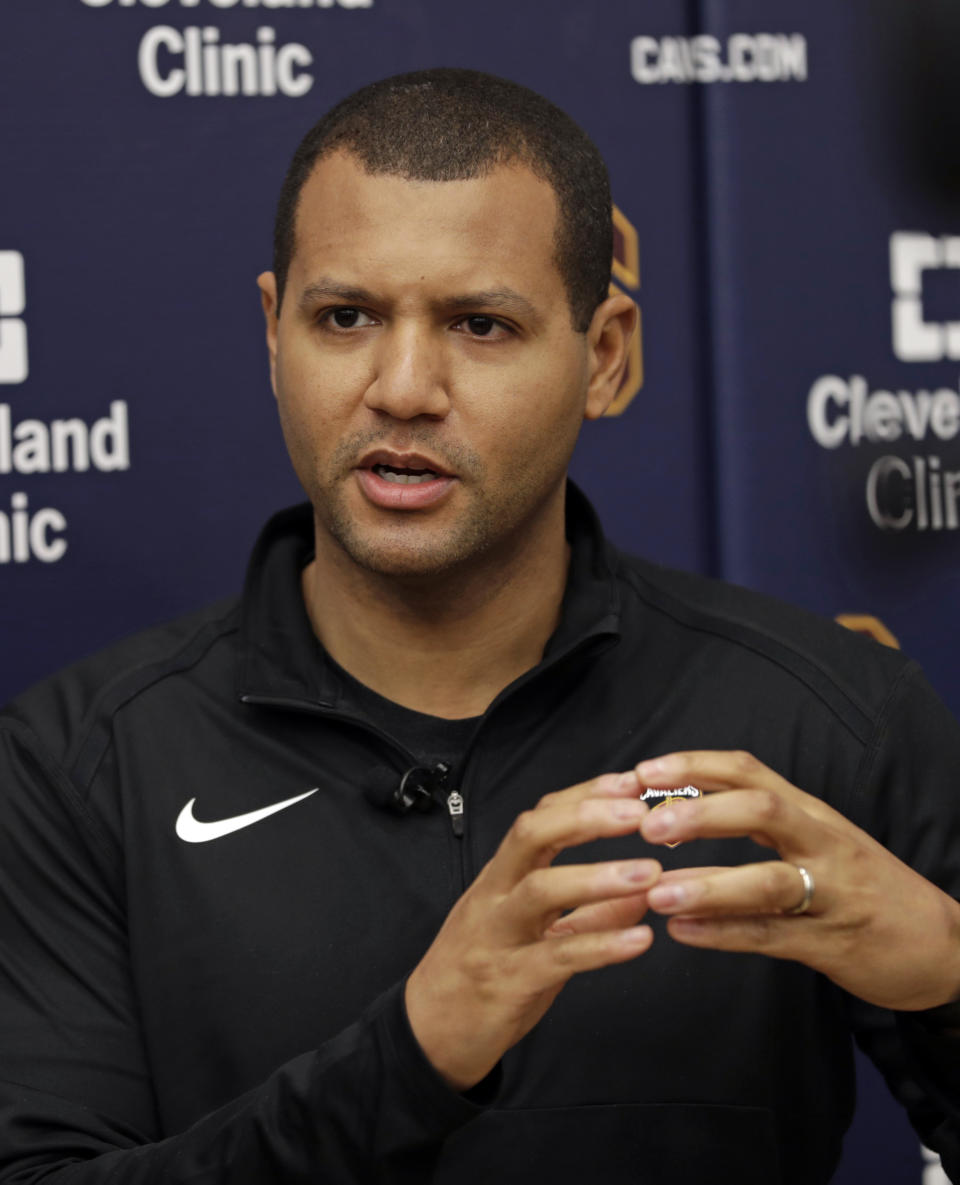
(328, 290)
(505, 299)
(498, 298)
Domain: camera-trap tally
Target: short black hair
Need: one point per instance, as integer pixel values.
(452, 125)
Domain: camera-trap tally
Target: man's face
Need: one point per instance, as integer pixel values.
(429, 379)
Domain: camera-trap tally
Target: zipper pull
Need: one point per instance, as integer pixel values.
(455, 807)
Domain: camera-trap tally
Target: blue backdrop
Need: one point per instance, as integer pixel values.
(788, 221)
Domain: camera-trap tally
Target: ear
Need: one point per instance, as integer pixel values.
(267, 283)
(608, 341)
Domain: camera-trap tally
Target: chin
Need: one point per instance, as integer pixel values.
(394, 549)
(413, 545)
(411, 551)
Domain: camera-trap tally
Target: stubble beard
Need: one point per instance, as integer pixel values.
(408, 550)
(412, 546)
(408, 544)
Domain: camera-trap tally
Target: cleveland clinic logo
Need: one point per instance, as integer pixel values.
(14, 366)
(914, 338)
(908, 487)
(30, 446)
(197, 61)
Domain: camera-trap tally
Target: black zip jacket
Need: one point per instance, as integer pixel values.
(231, 1010)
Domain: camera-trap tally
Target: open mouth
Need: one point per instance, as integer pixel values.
(394, 480)
(400, 476)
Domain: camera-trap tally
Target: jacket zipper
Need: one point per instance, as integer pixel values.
(456, 799)
(455, 809)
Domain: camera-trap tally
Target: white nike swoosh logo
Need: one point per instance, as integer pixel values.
(192, 830)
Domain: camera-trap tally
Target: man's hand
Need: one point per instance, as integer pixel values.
(508, 945)
(873, 926)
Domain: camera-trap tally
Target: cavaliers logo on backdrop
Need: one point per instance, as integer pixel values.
(873, 627)
(626, 278)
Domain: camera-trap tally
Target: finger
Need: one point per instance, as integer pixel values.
(539, 899)
(765, 815)
(770, 934)
(773, 887)
(617, 914)
(555, 960)
(538, 835)
(712, 770)
(622, 785)
(681, 874)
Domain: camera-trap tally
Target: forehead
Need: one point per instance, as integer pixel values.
(484, 232)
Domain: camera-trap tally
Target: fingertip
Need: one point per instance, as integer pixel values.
(660, 826)
(652, 771)
(692, 931)
(628, 783)
(618, 784)
(668, 897)
(643, 873)
(637, 938)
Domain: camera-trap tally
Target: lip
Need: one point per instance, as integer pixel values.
(384, 456)
(389, 495)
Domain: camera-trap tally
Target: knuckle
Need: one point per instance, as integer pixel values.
(761, 933)
(479, 968)
(562, 927)
(604, 783)
(585, 813)
(744, 763)
(534, 890)
(491, 972)
(857, 911)
(769, 806)
(859, 861)
(526, 828)
(846, 933)
(777, 882)
(564, 955)
(548, 800)
(948, 915)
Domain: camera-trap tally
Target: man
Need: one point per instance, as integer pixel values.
(292, 890)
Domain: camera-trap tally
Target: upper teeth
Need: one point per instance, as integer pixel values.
(404, 476)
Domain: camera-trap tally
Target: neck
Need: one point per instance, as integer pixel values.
(446, 644)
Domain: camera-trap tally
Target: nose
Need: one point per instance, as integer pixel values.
(408, 379)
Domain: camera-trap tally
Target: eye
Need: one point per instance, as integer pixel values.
(346, 317)
(480, 325)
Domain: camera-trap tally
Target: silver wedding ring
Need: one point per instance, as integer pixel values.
(808, 888)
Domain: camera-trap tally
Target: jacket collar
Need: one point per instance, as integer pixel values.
(281, 661)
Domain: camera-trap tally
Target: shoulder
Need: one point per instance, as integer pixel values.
(156, 684)
(775, 645)
(61, 713)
